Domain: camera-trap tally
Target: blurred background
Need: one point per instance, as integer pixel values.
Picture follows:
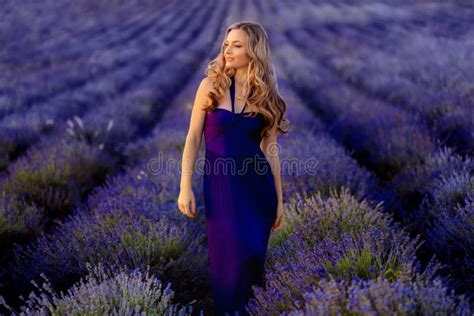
(380, 212)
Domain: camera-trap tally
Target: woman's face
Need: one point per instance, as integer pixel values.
(234, 49)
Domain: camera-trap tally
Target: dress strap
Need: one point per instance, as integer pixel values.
(232, 96)
(232, 93)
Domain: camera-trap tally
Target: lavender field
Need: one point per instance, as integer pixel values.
(380, 206)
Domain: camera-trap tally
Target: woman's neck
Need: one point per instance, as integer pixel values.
(240, 75)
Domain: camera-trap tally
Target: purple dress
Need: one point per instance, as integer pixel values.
(240, 202)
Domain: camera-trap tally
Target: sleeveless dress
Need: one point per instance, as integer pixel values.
(240, 201)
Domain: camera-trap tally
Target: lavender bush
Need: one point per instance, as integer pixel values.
(316, 163)
(12, 142)
(381, 297)
(117, 239)
(57, 177)
(456, 129)
(412, 185)
(449, 224)
(18, 220)
(131, 192)
(386, 139)
(436, 196)
(317, 217)
(364, 254)
(338, 238)
(104, 292)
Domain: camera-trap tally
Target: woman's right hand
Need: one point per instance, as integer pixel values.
(185, 197)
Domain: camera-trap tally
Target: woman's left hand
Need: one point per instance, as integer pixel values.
(280, 218)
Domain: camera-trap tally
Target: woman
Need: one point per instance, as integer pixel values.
(243, 204)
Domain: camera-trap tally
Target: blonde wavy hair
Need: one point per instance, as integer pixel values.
(261, 86)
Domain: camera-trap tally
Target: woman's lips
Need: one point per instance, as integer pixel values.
(229, 59)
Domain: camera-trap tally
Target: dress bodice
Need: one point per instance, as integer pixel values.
(230, 134)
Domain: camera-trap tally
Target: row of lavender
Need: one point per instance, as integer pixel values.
(427, 184)
(54, 176)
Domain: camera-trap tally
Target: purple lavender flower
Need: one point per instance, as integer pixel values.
(105, 291)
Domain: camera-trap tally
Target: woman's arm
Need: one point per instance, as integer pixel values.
(194, 135)
(191, 148)
(269, 146)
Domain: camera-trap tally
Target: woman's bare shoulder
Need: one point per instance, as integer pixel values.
(202, 92)
(206, 84)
